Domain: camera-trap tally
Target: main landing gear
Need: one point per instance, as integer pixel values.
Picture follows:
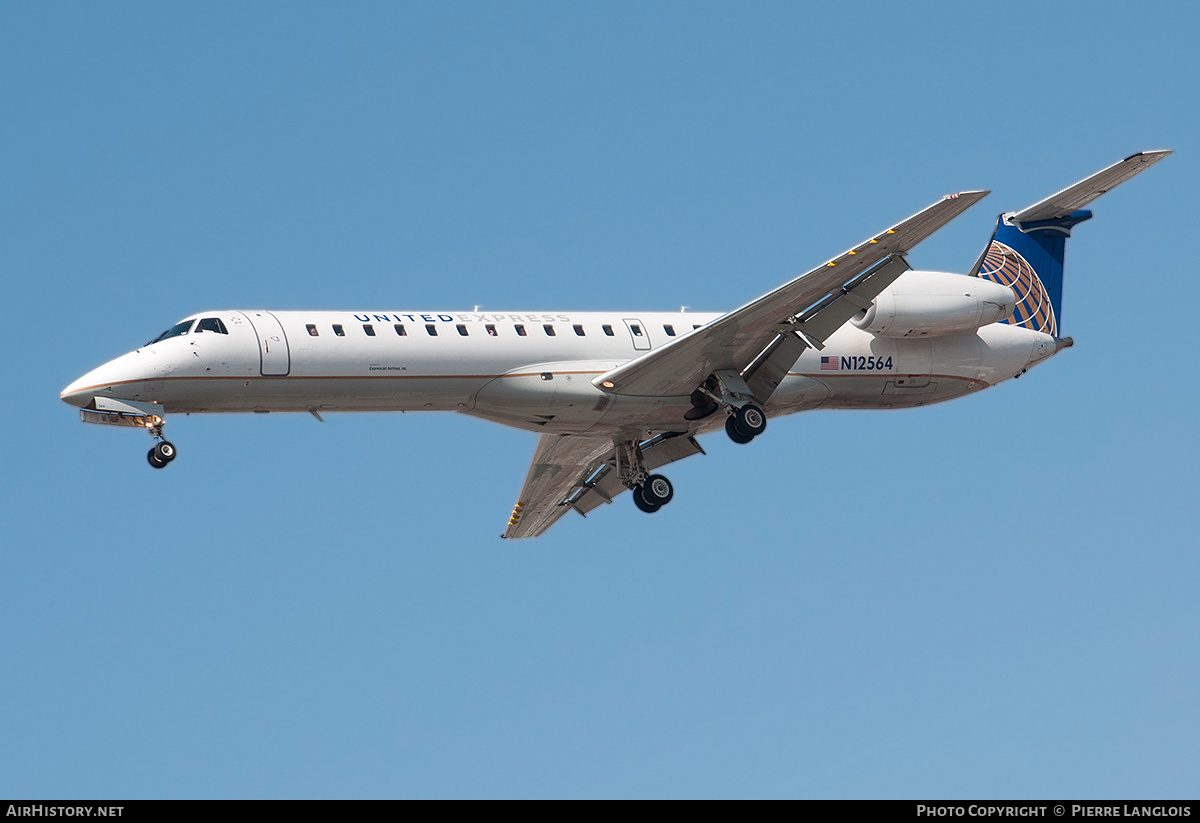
(163, 451)
(728, 390)
(650, 491)
(745, 423)
(653, 494)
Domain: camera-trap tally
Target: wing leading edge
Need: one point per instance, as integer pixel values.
(800, 313)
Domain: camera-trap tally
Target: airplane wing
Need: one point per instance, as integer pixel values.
(801, 313)
(578, 472)
(1085, 191)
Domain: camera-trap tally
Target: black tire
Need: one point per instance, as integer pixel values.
(734, 433)
(642, 503)
(657, 490)
(750, 420)
(154, 459)
(166, 451)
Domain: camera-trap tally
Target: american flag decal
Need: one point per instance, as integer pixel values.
(829, 364)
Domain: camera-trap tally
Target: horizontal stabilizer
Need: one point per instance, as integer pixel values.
(1079, 195)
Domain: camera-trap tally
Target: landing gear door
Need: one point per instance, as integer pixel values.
(637, 330)
(272, 344)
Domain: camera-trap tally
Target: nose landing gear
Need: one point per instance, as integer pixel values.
(163, 451)
(162, 454)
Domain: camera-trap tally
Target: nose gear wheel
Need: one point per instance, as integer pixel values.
(162, 454)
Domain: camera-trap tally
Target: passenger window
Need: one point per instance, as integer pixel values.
(607, 331)
(400, 330)
(338, 330)
(669, 329)
(432, 329)
(369, 329)
(312, 329)
(636, 329)
(491, 329)
(462, 329)
(549, 330)
(520, 330)
(579, 330)
(213, 324)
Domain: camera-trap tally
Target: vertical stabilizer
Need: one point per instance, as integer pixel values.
(1026, 250)
(1030, 261)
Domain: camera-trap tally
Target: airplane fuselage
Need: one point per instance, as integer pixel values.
(529, 370)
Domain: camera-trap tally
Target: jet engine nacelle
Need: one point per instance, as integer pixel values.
(928, 303)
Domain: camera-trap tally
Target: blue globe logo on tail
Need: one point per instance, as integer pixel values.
(1004, 265)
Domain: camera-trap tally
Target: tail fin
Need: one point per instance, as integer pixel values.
(1026, 250)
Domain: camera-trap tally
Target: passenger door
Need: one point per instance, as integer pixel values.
(274, 357)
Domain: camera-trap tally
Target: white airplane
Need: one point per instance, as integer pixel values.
(616, 396)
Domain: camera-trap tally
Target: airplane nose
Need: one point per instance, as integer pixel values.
(72, 394)
(114, 374)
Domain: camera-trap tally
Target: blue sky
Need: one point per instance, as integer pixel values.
(994, 597)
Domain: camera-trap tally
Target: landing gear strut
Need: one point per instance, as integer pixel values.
(163, 451)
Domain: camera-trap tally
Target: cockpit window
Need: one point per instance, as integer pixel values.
(212, 324)
(175, 331)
